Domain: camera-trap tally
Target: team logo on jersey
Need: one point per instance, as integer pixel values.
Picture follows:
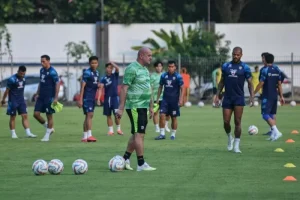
(166, 76)
(269, 74)
(20, 84)
(43, 78)
(108, 81)
(47, 73)
(240, 67)
(232, 73)
(174, 78)
(230, 65)
(95, 80)
(169, 83)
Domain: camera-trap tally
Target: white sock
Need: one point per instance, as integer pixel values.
(229, 136)
(162, 131)
(13, 132)
(173, 133)
(237, 142)
(166, 123)
(27, 130)
(45, 125)
(84, 135)
(48, 132)
(157, 126)
(274, 128)
(89, 133)
(119, 127)
(110, 129)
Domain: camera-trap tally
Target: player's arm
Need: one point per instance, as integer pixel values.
(117, 68)
(220, 86)
(262, 78)
(280, 93)
(181, 83)
(55, 78)
(258, 87)
(160, 88)
(8, 87)
(85, 77)
(100, 91)
(248, 76)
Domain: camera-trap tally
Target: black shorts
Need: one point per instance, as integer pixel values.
(214, 90)
(138, 119)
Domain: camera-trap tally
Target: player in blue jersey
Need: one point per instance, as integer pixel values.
(111, 99)
(270, 81)
(234, 74)
(46, 94)
(16, 102)
(172, 84)
(89, 86)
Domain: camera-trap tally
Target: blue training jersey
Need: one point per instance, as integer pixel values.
(171, 84)
(110, 83)
(48, 80)
(270, 76)
(16, 88)
(91, 78)
(281, 74)
(234, 76)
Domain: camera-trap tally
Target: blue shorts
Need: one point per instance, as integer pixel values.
(110, 105)
(231, 102)
(43, 105)
(14, 107)
(88, 106)
(170, 108)
(269, 106)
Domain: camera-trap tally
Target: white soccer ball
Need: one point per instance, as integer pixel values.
(252, 130)
(40, 167)
(79, 166)
(188, 104)
(293, 103)
(278, 103)
(256, 103)
(200, 104)
(55, 167)
(117, 163)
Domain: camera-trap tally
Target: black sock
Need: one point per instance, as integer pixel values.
(126, 155)
(140, 160)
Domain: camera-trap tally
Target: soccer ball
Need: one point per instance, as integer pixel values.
(293, 103)
(256, 103)
(252, 130)
(40, 167)
(55, 167)
(200, 104)
(117, 163)
(188, 104)
(278, 103)
(79, 167)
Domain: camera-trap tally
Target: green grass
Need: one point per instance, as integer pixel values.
(194, 166)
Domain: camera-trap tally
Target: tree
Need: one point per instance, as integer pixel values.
(230, 10)
(289, 7)
(20, 11)
(199, 49)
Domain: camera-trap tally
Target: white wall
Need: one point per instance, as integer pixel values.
(29, 41)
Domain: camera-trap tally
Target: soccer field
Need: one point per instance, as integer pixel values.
(196, 165)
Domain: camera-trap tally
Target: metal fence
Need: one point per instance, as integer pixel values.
(200, 70)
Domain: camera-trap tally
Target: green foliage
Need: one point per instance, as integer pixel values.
(6, 37)
(289, 7)
(16, 10)
(78, 50)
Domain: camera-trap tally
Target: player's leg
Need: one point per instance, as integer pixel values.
(107, 113)
(12, 111)
(175, 112)
(85, 128)
(268, 113)
(156, 121)
(162, 120)
(184, 95)
(114, 107)
(49, 129)
(89, 122)
(22, 110)
(110, 125)
(167, 123)
(141, 122)
(12, 126)
(227, 113)
(238, 113)
(38, 108)
(214, 96)
(130, 145)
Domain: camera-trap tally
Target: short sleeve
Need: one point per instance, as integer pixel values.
(263, 75)
(247, 72)
(260, 73)
(180, 80)
(85, 76)
(129, 76)
(10, 83)
(54, 76)
(161, 81)
(102, 80)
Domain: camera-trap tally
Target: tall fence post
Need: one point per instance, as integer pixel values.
(292, 74)
(179, 62)
(11, 64)
(68, 76)
(123, 60)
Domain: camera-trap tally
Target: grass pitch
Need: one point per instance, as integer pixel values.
(194, 166)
